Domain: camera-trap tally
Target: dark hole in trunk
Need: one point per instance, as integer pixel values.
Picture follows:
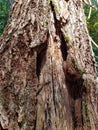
(58, 27)
(75, 90)
(41, 58)
(63, 48)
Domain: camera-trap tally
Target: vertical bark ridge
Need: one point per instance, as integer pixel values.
(74, 28)
(26, 28)
(53, 112)
(18, 89)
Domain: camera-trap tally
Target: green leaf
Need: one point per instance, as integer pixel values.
(96, 23)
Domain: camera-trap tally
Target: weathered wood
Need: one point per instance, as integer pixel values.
(47, 68)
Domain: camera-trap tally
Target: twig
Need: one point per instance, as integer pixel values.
(90, 10)
(94, 43)
(89, 3)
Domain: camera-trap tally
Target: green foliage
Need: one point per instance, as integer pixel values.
(92, 25)
(4, 13)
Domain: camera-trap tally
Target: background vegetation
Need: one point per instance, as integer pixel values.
(92, 24)
(4, 13)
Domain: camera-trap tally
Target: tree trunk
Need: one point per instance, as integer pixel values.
(47, 68)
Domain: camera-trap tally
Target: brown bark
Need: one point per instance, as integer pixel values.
(47, 68)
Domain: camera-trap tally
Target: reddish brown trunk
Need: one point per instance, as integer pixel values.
(47, 68)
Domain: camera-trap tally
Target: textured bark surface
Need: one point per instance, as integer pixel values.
(47, 68)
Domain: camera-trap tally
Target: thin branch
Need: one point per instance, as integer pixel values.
(90, 11)
(94, 43)
(89, 3)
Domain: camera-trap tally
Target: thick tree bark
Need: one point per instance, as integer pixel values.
(47, 68)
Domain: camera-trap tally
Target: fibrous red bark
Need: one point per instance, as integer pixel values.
(47, 68)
